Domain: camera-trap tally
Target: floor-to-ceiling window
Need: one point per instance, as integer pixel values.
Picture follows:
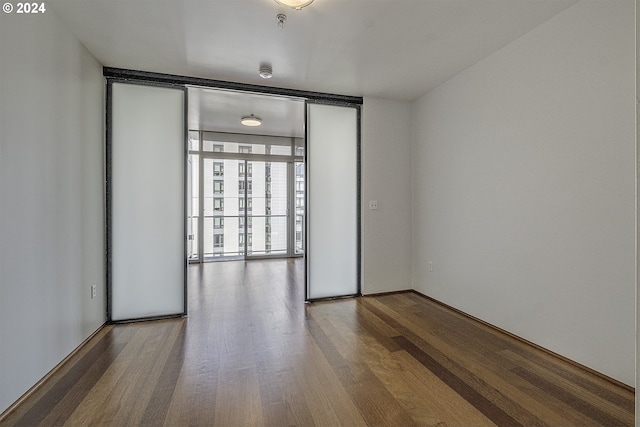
(246, 196)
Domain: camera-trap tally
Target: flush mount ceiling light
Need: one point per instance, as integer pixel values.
(266, 72)
(251, 120)
(295, 4)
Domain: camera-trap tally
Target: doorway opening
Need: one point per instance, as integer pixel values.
(293, 189)
(246, 185)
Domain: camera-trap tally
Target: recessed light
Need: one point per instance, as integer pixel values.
(251, 120)
(295, 4)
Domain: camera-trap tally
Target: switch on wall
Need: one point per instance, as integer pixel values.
(373, 204)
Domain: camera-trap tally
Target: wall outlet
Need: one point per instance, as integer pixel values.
(430, 266)
(93, 291)
(373, 204)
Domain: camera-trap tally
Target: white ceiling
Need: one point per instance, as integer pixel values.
(221, 111)
(398, 49)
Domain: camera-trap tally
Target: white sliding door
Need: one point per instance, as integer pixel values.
(146, 202)
(332, 210)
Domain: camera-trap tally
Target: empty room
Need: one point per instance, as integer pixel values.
(318, 212)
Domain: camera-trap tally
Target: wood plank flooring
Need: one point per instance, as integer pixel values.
(252, 353)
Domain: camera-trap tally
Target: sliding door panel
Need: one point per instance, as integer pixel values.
(332, 211)
(147, 202)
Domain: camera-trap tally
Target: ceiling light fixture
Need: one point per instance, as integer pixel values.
(266, 72)
(251, 120)
(295, 4)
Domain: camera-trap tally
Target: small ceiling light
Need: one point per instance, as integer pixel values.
(281, 18)
(251, 120)
(266, 72)
(295, 4)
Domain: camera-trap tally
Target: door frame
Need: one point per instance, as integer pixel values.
(112, 75)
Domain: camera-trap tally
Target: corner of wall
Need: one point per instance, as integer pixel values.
(512, 200)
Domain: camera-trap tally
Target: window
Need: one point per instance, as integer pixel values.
(218, 240)
(241, 186)
(218, 222)
(227, 207)
(245, 149)
(212, 146)
(242, 205)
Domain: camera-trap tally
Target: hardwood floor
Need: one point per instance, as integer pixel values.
(252, 353)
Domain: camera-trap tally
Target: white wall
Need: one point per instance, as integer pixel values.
(523, 171)
(386, 177)
(51, 198)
